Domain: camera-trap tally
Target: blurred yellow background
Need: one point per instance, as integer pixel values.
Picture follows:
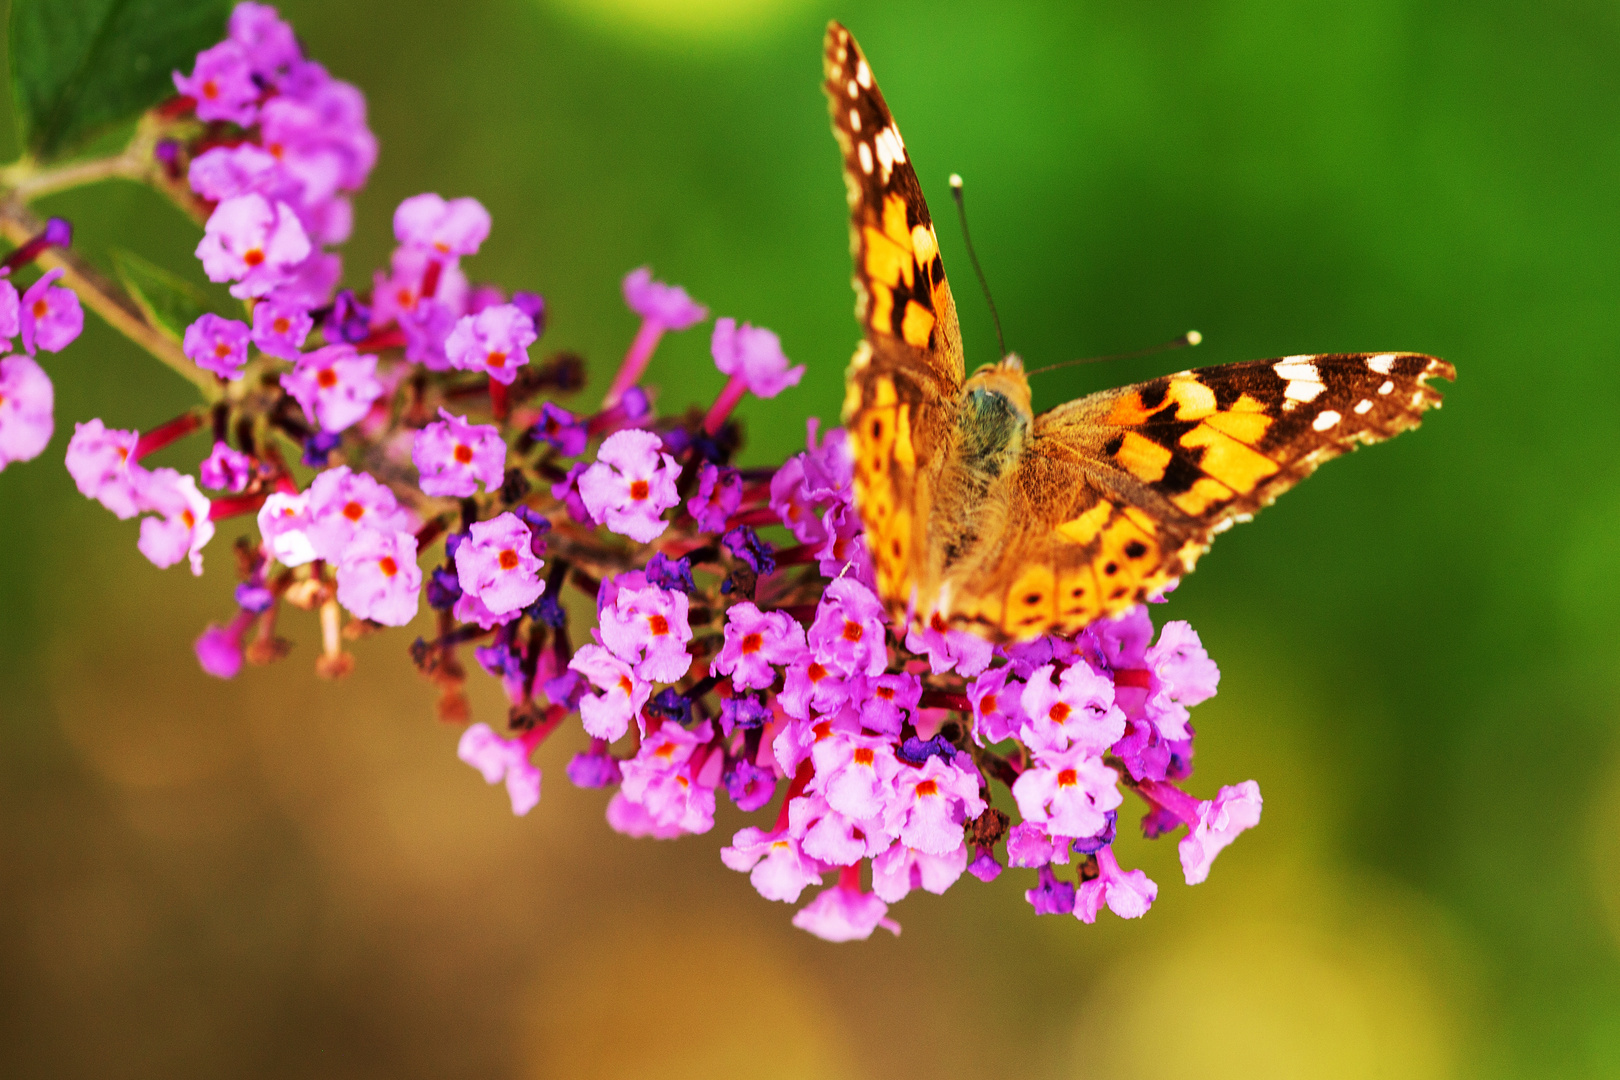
(280, 876)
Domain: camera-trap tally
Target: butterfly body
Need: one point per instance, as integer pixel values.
(983, 515)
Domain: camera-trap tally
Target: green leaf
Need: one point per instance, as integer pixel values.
(80, 66)
(170, 303)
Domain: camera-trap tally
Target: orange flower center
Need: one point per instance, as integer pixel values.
(928, 787)
(752, 643)
(495, 359)
(254, 257)
(326, 379)
(41, 309)
(852, 630)
(822, 730)
(353, 510)
(222, 350)
(189, 518)
(1068, 778)
(816, 672)
(863, 755)
(388, 566)
(639, 490)
(988, 703)
(463, 453)
(885, 692)
(624, 684)
(1059, 713)
(280, 325)
(658, 625)
(508, 559)
(666, 751)
(210, 89)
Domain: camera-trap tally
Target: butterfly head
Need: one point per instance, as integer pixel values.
(996, 416)
(1005, 380)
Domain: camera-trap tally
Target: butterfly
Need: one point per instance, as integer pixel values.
(982, 515)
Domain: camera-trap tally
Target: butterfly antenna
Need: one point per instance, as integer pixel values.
(1185, 341)
(961, 214)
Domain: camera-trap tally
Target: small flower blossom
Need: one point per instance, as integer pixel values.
(776, 866)
(754, 355)
(446, 228)
(647, 626)
(280, 328)
(222, 85)
(343, 504)
(378, 579)
(217, 345)
(746, 545)
(900, 869)
(594, 769)
(102, 464)
(754, 640)
(631, 484)
(267, 42)
(49, 317)
(814, 687)
(1185, 676)
(219, 648)
(845, 914)
(496, 341)
(27, 405)
(608, 715)
(502, 759)
(454, 457)
(1128, 894)
(889, 701)
(1068, 792)
(834, 837)
(10, 312)
(934, 802)
(749, 786)
(561, 429)
(1218, 823)
(1077, 710)
(1028, 845)
(498, 566)
(225, 172)
(183, 526)
(666, 305)
(950, 650)
(1051, 896)
(718, 495)
(848, 632)
(673, 778)
(997, 709)
(855, 773)
(225, 469)
(253, 243)
(335, 385)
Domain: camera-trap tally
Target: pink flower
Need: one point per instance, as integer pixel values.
(1185, 676)
(1077, 710)
(847, 634)
(607, 715)
(632, 819)
(1127, 894)
(397, 295)
(279, 328)
(251, 242)
(228, 171)
(631, 484)
(50, 317)
(647, 626)
(454, 457)
(27, 404)
(102, 464)
(1028, 845)
(673, 777)
(426, 327)
(776, 866)
(889, 701)
(813, 687)
(266, 41)
(497, 564)
(502, 759)
(343, 504)
(833, 836)
(284, 525)
(222, 85)
(219, 648)
(183, 527)
(496, 341)
(452, 228)
(855, 773)
(997, 709)
(335, 385)
(718, 495)
(900, 869)
(754, 355)
(217, 345)
(378, 579)
(561, 429)
(1220, 820)
(10, 324)
(844, 913)
(950, 650)
(225, 469)
(470, 609)
(318, 132)
(666, 305)
(1068, 792)
(754, 641)
(933, 804)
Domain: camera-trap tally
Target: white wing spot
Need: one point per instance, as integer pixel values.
(854, 91)
(854, 120)
(1363, 407)
(1296, 369)
(865, 153)
(890, 150)
(1387, 387)
(863, 75)
(1324, 420)
(1381, 363)
(1302, 390)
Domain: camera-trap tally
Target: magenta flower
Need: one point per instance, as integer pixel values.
(673, 777)
(266, 41)
(813, 687)
(217, 345)
(632, 819)
(469, 609)
(950, 650)
(102, 464)
(934, 802)
(753, 355)
(718, 495)
(285, 526)
(847, 634)
(496, 341)
(279, 328)
(225, 172)
(253, 243)
(183, 526)
(667, 305)
(343, 504)
(559, 428)
(889, 701)
(754, 641)
(631, 484)
(647, 627)
(397, 295)
(1028, 845)
(775, 864)
(855, 773)
(454, 457)
(1068, 793)
(566, 490)
(50, 318)
(1127, 894)
(607, 715)
(225, 469)
(335, 385)
(426, 327)
(1185, 676)
(378, 579)
(833, 836)
(27, 406)
(10, 311)
(844, 913)
(1077, 710)
(1212, 824)
(452, 228)
(497, 564)
(219, 648)
(222, 85)
(502, 759)
(900, 869)
(997, 709)
(318, 131)
(1051, 896)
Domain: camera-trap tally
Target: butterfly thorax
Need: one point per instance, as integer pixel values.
(994, 418)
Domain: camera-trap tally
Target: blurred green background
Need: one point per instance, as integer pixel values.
(280, 876)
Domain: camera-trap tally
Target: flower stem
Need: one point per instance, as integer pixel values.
(635, 361)
(727, 401)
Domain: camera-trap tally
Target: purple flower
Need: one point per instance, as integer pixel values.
(284, 524)
(776, 866)
(1077, 710)
(847, 634)
(454, 457)
(666, 305)
(743, 712)
(668, 573)
(1051, 896)
(832, 836)
(754, 641)
(595, 768)
(497, 564)
(889, 701)
(279, 328)
(1127, 894)
(222, 85)
(795, 498)
(647, 627)
(630, 485)
(10, 310)
(754, 355)
(1185, 676)
(900, 869)
(997, 710)
(335, 385)
(561, 429)
(426, 327)
(984, 866)
(266, 41)
(502, 759)
(27, 404)
(673, 778)
(1068, 793)
(607, 715)
(749, 786)
(745, 544)
(225, 469)
(341, 505)
(255, 244)
(718, 495)
(378, 579)
(50, 318)
(452, 228)
(317, 128)
(183, 525)
(845, 914)
(1028, 845)
(217, 345)
(228, 171)
(102, 464)
(496, 340)
(934, 802)
(219, 648)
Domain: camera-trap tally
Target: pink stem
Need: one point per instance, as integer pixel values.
(736, 387)
(635, 361)
(1171, 798)
(164, 434)
(231, 506)
(498, 399)
(849, 878)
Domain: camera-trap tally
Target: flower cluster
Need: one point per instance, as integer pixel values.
(403, 444)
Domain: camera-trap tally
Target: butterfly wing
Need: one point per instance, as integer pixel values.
(905, 380)
(1120, 492)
